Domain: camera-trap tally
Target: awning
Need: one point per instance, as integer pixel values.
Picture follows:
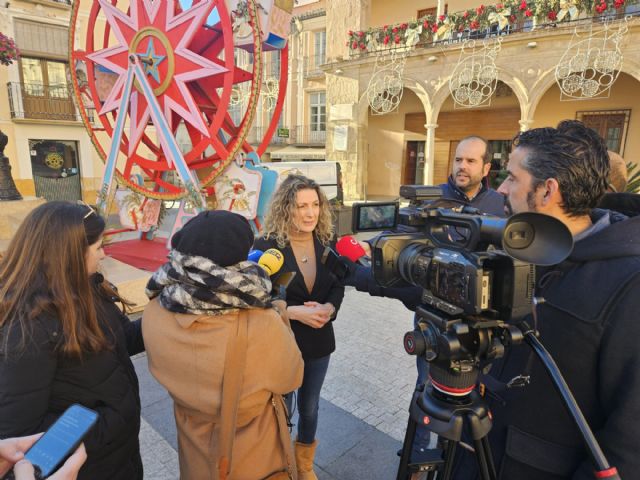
(291, 153)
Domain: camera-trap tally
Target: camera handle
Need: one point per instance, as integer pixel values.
(603, 469)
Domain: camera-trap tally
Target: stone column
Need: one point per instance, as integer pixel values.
(344, 92)
(429, 153)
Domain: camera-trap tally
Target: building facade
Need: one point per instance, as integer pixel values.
(50, 152)
(327, 112)
(416, 141)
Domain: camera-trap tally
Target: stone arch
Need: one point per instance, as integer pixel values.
(513, 82)
(548, 79)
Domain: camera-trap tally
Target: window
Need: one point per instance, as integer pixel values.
(320, 47)
(430, 11)
(611, 125)
(317, 103)
(45, 90)
(42, 77)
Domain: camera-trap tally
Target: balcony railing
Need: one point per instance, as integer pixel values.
(491, 21)
(256, 134)
(297, 135)
(42, 102)
(308, 135)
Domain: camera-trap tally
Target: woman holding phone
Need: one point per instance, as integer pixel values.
(63, 339)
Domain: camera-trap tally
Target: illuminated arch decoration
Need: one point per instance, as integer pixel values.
(475, 76)
(591, 65)
(385, 88)
(162, 75)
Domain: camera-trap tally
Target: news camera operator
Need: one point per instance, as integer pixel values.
(586, 315)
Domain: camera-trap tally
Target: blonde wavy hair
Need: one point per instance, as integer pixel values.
(279, 219)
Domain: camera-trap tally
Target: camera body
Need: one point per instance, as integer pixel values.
(451, 255)
(476, 272)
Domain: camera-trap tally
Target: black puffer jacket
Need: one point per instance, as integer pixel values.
(589, 323)
(37, 384)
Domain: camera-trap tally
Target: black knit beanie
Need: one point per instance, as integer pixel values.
(223, 237)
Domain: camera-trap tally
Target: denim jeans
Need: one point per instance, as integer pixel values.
(309, 398)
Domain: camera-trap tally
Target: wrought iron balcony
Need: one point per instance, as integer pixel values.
(36, 101)
(308, 135)
(491, 21)
(256, 134)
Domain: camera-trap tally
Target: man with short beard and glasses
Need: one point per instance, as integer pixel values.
(586, 314)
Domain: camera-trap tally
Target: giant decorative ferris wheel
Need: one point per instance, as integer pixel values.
(156, 80)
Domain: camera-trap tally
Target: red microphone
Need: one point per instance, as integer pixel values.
(349, 247)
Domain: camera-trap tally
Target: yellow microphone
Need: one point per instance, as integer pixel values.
(272, 261)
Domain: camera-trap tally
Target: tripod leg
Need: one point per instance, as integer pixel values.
(449, 454)
(488, 455)
(407, 447)
(483, 461)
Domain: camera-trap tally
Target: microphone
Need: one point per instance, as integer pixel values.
(272, 261)
(349, 247)
(254, 255)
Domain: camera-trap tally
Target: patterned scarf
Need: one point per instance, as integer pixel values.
(192, 284)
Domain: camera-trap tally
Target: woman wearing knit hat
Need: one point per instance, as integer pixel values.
(299, 225)
(224, 351)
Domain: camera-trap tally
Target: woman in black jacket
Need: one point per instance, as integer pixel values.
(63, 340)
(299, 225)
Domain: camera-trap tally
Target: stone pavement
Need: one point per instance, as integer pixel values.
(363, 411)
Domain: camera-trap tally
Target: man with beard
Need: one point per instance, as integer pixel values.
(468, 181)
(586, 315)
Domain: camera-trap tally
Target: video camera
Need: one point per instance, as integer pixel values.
(473, 292)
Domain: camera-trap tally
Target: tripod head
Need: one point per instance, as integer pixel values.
(458, 347)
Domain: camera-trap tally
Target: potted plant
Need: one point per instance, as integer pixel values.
(8, 50)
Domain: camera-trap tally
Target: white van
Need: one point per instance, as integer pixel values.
(326, 174)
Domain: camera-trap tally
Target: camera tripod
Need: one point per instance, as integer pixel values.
(446, 414)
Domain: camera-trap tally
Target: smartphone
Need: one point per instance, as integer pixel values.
(61, 439)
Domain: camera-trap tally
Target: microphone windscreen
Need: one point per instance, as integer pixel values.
(254, 255)
(349, 247)
(271, 260)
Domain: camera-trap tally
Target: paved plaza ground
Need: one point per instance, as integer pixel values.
(363, 411)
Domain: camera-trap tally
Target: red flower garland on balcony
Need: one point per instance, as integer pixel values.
(8, 50)
(430, 28)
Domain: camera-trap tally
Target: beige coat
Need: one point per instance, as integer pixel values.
(187, 355)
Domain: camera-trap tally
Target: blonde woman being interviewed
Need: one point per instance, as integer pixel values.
(299, 225)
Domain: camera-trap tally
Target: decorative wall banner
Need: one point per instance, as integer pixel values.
(475, 77)
(591, 64)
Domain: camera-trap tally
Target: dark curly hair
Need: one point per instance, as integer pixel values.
(575, 155)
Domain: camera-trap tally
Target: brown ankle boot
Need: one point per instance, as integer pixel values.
(305, 452)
